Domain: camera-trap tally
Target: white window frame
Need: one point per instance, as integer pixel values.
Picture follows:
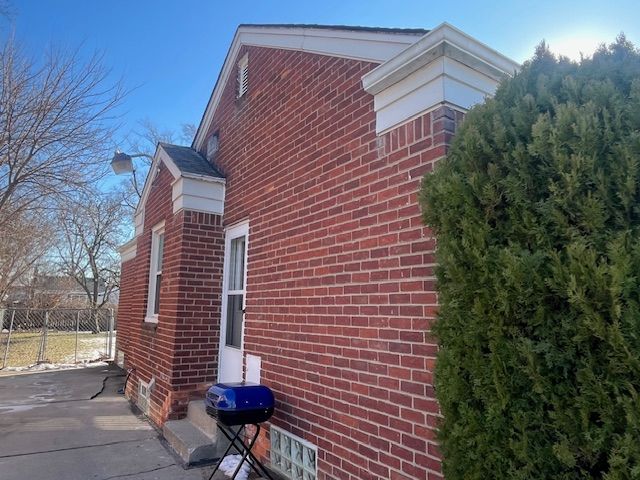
(243, 69)
(156, 232)
(240, 229)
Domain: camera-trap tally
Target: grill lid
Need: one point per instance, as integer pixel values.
(238, 396)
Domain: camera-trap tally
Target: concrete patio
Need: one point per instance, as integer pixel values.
(73, 425)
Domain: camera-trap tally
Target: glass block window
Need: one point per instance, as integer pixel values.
(292, 456)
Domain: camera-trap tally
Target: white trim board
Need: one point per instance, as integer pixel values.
(128, 250)
(446, 66)
(365, 45)
(230, 358)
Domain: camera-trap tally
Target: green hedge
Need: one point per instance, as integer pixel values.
(537, 214)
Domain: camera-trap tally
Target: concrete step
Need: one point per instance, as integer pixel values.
(198, 416)
(190, 443)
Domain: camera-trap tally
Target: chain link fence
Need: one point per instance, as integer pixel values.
(57, 336)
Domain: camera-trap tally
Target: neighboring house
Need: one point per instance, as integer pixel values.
(55, 291)
(286, 246)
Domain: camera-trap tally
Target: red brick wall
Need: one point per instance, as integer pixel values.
(181, 349)
(341, 290)
(196, 318)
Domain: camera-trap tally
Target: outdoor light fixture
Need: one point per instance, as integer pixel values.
(121, 163)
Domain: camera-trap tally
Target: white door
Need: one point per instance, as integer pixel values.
(233, 301)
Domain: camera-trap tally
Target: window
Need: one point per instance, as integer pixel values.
(293, 456)
(212, 146)
(155, 273)
(235, 293)
(243, 76)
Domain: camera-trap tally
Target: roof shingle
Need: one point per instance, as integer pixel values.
(190, 161)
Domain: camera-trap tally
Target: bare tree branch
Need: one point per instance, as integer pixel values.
(93, 228)
(25, 239)
(56, 123)
(141, 143)
(56, 127)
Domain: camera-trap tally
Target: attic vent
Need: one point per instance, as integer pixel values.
(243, 76)
(212, 146)
(293, 456)
(143, 397)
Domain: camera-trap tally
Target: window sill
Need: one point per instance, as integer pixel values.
(150, 323)
(149, 327)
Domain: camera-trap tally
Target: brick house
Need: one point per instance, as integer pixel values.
(286, 246)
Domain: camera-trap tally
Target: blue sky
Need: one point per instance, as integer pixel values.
(170, 52)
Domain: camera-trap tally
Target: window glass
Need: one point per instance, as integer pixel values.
(234, 320)
(236, 264)
(155, 274)
(160, 252)
(156, 301)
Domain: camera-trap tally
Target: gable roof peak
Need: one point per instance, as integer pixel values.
(354, 28)
(368, 44)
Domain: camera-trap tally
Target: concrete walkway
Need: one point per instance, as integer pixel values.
(72, 425)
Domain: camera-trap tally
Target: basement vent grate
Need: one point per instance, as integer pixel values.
(243, 76)
(292, 456)
(143, 397)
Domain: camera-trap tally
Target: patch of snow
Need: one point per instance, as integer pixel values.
(86, 356)
(230, 463)
(89, 350)
(41, 367)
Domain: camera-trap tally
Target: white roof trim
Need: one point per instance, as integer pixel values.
(365, 45)
(162, 156)
(153, 170)
(444, 39)
(444, 67)
(128, 250)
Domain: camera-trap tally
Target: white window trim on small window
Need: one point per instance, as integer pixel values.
(243, 76)
(213, 144)
(156, 232)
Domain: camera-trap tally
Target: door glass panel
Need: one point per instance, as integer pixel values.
(236, 264)
(234, 320)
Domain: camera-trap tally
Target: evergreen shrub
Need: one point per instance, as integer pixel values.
(536, 210)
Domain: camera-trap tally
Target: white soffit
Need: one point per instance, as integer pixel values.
(138, 220)
(364, 45)
(446, 66)
(128, 250)
(198, 194)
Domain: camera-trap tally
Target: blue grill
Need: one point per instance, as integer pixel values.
(239, 403)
